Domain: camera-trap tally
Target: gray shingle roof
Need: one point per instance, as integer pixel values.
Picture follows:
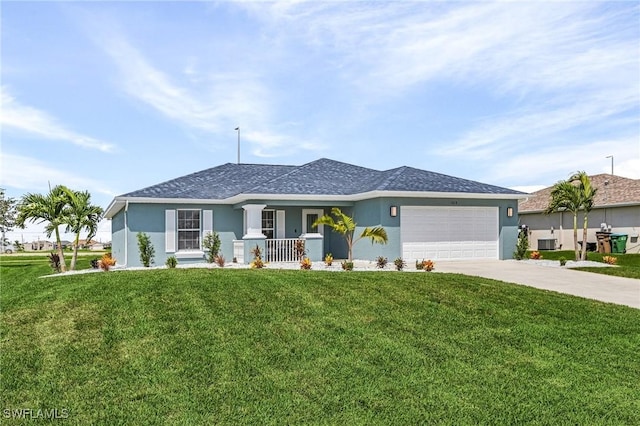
(216, 183)
(320, 177)
(612, 190)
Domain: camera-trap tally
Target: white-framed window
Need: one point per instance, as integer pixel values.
(189, 223)
(309, 216)
(268, 223)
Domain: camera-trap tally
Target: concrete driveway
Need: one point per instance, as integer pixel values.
(606, 288)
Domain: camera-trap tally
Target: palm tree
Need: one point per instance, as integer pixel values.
(587, 194)
(48, 208)
(80, 215)
(573, 195)
(345, 225)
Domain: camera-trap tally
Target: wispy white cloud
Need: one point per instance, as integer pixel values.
(33, 175)
(34, 121)
(562, 66)
(627, 167)
(210, 101)
(544, 165)
(540, 124)
(516, 47)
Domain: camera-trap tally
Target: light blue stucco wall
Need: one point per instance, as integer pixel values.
(228, 223)
(150, 218)
(371, 213)
(117, 237)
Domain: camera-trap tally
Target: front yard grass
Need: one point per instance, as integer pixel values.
(628, 264)
(288, 347)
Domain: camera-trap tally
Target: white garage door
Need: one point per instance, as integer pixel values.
(449, 232)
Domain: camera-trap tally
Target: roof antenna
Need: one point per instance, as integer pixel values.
(611, 156)
(238, 129)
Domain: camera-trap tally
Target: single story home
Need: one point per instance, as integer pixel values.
(42, 245)
(97, 246)
(426, 215)
(616, 209)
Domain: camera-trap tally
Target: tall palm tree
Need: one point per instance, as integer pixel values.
(80, 215)
(48, 208)
(587, 194)
(565, 196)
(344, 225)
(573, 195)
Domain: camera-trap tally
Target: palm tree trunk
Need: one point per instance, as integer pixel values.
(74, 258)
(584, 238)
(63, 265)
(575, 236)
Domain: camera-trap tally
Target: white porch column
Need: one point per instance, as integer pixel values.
(254, 221)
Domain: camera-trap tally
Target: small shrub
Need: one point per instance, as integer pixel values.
(347, 265)
(300, 249)
(328, 259)
(257, 262)
(381, 262)
(171, 262)
(522, 245)
(535, 255)
(563, 261)
(211, 242)
(610, 260)
(95, 262)
(220, 260)
(147, 252)
(106, 262)
(235, 260)
(428, 265)
(400, 264)
(305, 263)
(419, 265)
(54, 261)
(256, 252)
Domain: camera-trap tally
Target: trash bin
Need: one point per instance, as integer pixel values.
(619, 243)
(604, 242)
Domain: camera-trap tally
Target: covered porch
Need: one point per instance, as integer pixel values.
(282, 233)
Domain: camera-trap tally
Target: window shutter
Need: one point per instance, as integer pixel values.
(280, 229)
(207, 221)
(170, 231)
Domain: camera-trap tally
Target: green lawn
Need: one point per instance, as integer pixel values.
(628, 264)
(289, 347)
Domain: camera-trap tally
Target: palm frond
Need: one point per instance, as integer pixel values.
(377, 234)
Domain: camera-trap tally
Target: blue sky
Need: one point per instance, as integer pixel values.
(116, 96)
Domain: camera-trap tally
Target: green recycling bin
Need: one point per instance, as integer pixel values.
(619, 243)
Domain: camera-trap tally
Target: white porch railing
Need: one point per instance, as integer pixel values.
(284, 250)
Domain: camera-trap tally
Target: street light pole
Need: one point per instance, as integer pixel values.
(238, 129)
(611, 156)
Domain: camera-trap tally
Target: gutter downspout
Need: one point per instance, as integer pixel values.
(126, 234)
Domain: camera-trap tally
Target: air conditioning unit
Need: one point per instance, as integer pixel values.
(547, 244)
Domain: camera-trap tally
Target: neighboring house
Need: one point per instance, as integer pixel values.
(616, 208)
(426, 215)
(96, 246)
(39, 245)
(84, 244)
(64, 243)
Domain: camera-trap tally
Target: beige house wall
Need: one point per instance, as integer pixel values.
(559, 226)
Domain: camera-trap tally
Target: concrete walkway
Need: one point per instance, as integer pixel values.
(606, 288)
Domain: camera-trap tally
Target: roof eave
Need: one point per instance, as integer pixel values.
(119, 203)
(603, 206)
